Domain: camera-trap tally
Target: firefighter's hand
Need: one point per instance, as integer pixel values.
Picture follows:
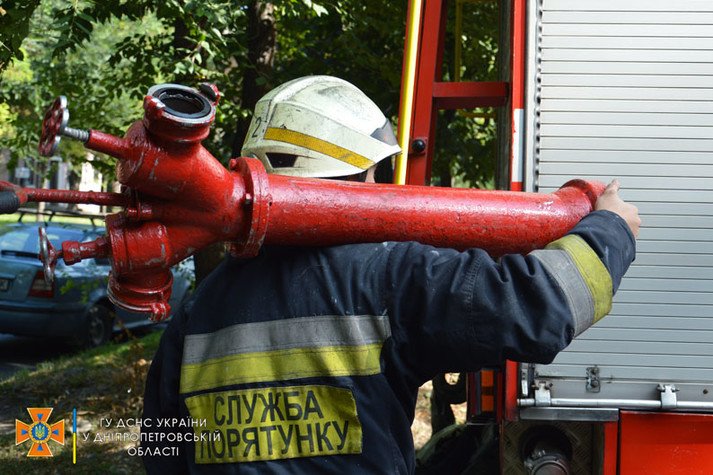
(610, 201)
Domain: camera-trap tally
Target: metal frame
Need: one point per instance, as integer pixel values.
(517, 159)
(432, 95)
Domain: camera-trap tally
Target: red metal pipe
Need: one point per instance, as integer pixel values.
(179, 199)
(323, 212)
(73, 196)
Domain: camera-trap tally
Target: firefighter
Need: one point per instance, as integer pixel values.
(308, 360)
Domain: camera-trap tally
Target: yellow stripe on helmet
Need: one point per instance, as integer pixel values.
(318, 145)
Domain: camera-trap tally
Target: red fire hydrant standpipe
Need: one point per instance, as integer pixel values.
(178, 199)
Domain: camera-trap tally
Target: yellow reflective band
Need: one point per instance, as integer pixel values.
(275, 423)
(318, 145)
(280, 365)
(592, 270)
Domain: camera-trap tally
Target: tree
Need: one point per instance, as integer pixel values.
(14, 24)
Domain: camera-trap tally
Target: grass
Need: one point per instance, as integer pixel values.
(105, 382)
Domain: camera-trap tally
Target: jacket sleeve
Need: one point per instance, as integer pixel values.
(460, 311)
(161, 404)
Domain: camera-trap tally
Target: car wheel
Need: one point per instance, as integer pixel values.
(98, 326)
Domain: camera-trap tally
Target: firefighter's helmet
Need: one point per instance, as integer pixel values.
(318, 126)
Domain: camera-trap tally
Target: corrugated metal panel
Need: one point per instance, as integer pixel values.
(626, 169)
(619, 80)
(627, 18)
(663, 310)
(634, 321)
(625, 90)
(640, 347)
(668, 31)
(637, 6)
(615, 157)
(641, 182)
(623, 131)
(670, 285)
(627, 118)
(662, 93)
(605, 67)
(587, 105)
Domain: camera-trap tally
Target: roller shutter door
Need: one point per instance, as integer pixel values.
(625, 89)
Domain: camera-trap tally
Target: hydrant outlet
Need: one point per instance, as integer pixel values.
(179, 114)
(183, 102)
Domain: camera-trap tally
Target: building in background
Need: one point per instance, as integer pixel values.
(28, 173)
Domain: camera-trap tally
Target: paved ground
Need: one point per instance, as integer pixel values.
(18, 353)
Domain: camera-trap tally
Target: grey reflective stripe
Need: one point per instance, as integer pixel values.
(312, 332)
(560, 265)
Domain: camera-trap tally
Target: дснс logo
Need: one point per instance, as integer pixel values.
(40, 432)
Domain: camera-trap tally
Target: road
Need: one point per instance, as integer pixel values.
(17, 353)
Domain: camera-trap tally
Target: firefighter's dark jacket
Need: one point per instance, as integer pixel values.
(309, 360)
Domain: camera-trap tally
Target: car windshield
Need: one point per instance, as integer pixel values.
(26, 240)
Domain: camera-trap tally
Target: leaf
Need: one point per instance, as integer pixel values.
(85, 28)
(85, 17)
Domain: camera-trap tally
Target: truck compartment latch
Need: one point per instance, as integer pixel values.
(543, 397)
(593, 383)
(668, 396)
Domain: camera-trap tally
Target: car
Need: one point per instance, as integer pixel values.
(76, 306)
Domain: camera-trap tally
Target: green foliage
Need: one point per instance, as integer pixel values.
(7, 131)
(14, 23)
(466, 144)
(361, 42)
(30, 85)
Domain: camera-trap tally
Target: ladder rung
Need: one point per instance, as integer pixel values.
(469, 95)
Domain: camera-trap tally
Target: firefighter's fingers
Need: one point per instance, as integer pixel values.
(611, 201)
(612, 187)
(610, 197)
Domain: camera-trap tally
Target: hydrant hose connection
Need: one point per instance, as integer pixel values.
(178, 198)
(181, 102)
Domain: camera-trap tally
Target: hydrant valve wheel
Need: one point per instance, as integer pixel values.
(53, 125)
(48, 256)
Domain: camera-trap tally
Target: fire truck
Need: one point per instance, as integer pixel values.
(598, 90)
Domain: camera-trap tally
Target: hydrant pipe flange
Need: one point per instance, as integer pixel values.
(257, 206)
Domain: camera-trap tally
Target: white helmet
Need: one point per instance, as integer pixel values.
(318, 126)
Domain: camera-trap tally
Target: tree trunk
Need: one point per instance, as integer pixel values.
(182, 41)
(261, 56)
(261, 35)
